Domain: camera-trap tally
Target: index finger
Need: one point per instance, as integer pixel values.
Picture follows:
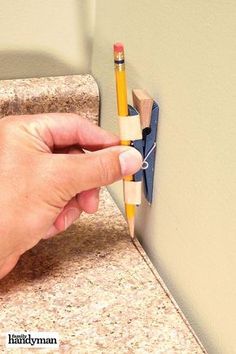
(59, 130)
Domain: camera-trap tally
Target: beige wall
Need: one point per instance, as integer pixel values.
(184, 54)
(45, 37)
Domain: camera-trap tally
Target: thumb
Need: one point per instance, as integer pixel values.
(94, 169)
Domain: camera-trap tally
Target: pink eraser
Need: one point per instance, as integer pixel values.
(118, 47)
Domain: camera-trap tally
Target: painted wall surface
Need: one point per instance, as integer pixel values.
(46, 37)
(184, 54)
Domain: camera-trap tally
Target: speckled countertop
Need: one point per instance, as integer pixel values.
(74, 93)
(91, 284)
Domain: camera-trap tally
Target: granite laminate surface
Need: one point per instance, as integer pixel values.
(91, 284)
(74, 94)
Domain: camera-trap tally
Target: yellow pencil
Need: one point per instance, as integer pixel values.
(122, 107)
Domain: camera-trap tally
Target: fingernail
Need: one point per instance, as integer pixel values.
(130, 161)
(71, 215)
(51, 232)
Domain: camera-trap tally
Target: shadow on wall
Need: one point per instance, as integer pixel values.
(15, 64)
(86, 19)
(20, 64)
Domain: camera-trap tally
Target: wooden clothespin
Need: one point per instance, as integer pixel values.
(149, 112)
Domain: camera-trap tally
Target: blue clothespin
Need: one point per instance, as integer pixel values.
(149, 141)
(147, 147)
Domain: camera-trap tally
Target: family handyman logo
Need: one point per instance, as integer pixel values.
(32, 339)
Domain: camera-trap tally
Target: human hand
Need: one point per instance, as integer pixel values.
(46, 179)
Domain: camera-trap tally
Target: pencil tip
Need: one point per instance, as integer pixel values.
(131, 227)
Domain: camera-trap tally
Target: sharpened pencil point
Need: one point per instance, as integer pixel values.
(131, 227)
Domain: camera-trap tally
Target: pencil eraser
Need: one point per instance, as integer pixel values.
(118, 47)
